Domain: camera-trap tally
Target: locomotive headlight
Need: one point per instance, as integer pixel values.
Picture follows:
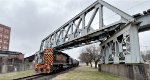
(45, 65)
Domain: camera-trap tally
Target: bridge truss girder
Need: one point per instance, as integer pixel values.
(70, 35)
(119, 40)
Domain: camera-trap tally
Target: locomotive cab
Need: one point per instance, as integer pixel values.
(43, 61)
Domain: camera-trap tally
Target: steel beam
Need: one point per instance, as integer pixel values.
(119, 40)
(81, 34)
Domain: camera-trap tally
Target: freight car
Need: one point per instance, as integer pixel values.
(51, 60)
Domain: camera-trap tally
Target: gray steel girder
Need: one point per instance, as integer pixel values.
(119, 40)
(70, 35)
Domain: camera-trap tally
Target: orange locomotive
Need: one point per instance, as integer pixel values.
(51, 60)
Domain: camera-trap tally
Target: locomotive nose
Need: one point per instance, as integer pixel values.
(42, 68)
(46, 66)
(36, 67)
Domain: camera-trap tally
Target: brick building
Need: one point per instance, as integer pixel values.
(10, 61)
(4, 37)
(11, 57)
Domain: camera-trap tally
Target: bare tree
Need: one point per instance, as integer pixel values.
(89, 54)
(85, 57)
(94, 52)
(90, 51)
(96, 55)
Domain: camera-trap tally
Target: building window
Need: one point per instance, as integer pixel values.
(0, 40)
(5, 42)
(6, 36)
(0, 34)
(6, 31)
(1, 29)
(5, 48)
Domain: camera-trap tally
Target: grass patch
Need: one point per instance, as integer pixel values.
(86, 73)
(80, 73)
(14, 75)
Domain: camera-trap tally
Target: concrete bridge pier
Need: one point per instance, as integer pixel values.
(127, 71)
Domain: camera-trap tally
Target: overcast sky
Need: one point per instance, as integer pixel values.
(33, 20)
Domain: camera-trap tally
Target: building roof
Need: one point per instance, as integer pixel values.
(10, 52)
(30, 58)
(1, 25)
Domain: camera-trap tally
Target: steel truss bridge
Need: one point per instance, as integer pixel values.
(119, 41)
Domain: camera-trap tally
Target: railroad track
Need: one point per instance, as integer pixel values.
(32, 77)
(44, 76)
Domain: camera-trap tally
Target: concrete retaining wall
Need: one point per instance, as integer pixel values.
(128, 71)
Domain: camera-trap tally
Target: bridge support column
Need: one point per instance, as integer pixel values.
(122, 47)
(134, 56)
